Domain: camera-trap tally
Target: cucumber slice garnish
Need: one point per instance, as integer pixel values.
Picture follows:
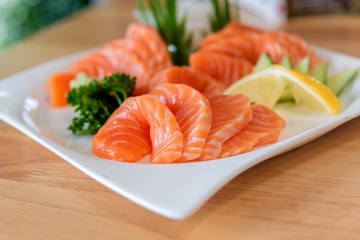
(320, 72)
(263, 62)
(286, 62)
(336, 83)
(286, 95)
(303, 65)
(339, 81)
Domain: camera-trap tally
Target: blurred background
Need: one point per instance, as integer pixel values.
(311, 7)
(21, 18)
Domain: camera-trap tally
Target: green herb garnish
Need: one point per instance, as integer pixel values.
(172, 31)
(95, 101)
(221, 16)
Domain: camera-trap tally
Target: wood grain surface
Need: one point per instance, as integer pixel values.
(311, 192)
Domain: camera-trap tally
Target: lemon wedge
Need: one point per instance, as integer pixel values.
(266, 87)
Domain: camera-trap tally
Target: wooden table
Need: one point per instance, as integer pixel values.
(312, 192)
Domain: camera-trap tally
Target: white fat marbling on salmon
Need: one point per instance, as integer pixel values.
(265, 127)
(231, 114)
(193, 114)
(139, 126)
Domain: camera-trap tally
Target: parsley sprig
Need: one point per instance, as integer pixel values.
(95, 101)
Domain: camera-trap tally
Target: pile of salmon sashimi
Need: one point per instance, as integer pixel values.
(178, 113)
(231, 53)
(177, 123)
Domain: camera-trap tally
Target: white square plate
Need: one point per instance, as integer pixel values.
(173, 190)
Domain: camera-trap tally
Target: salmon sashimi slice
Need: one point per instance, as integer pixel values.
(230, 114)
(126, 61)
(192, 112)
(124, 141)
(95, 65)
(266, 119)
(240, 143)
(137, 47)
(150, 37)
(139, 126)
(186, 75)
(265, 127)
(230, 47)
(249, 46)
(263, 44)
(293, 51)
(239, 46)
(230, 30)
(297, 47)
(59, 86)
(276, 43)
(224, 68)
(239, 27)
(141, 54)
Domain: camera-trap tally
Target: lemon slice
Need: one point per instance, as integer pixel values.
(266, 87)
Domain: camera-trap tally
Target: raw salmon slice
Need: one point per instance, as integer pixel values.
(239, 47)
(138, 48)
(276, 43)
(124, 140)
(141, 54)
(186, 75)
(224, 68)
(265, 127)
(241, 28)
(263, 44)
(59, 86)
(158, 56)
(125, 61)
(95, 65)
(149, 37)
(297, 47)
(192, 112)
(249, 46)
(139, 126)
(230, 114)
(231, 48)
(231, 29)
